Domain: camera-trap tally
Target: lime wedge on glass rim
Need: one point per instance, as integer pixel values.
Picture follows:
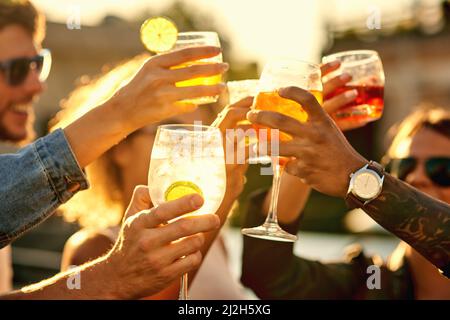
(159, 34)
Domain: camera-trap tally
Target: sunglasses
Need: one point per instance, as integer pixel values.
(437, 169)
(16, 70)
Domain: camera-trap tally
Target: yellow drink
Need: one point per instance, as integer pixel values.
(193, 39)
(203, 81)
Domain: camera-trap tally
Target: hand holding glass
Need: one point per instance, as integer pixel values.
(188, 159)
(277, 74)
(366, 70)
(192, 39)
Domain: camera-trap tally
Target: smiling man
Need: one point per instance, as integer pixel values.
(48, 172)
(21, 33)
(22, 30)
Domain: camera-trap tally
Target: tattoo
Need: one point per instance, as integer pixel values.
(419, 220)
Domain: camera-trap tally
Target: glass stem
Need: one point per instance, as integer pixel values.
(184, 287)
(272, 215)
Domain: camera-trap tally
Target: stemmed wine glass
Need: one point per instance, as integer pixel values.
(276, 74)
(188, 159)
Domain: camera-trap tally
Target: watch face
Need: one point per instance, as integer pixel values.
(366, 185)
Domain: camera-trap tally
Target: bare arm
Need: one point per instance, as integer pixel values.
(145, 259)
(149, 97)
(84, 246)
(57, 287)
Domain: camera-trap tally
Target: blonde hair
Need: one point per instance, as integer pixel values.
(100, 206)
(425, 116)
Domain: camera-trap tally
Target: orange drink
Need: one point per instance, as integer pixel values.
(277, 74)
(271, 101)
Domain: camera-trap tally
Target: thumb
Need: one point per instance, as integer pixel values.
(306, 99)
(139, 201)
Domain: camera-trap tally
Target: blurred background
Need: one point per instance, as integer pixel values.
(411, 36)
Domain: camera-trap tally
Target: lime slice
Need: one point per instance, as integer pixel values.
(180, 189)
(159, 34)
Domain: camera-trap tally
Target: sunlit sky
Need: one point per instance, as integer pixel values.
(258, 29)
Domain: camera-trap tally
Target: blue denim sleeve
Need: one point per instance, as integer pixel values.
(34, 182)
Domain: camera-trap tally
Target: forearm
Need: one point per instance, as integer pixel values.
(292, 198)
(421, 221)
(97, 131)
(63, 286)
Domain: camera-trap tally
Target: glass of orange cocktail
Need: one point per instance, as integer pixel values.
(276, 74)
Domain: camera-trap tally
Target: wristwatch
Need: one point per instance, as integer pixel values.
(365, 185)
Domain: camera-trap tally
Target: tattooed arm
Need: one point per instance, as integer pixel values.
(421, 221)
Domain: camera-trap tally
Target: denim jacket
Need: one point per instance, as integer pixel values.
(34, 182)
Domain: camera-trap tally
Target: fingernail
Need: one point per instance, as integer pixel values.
(345, 77)
(251, 115)
(281, 91)
(196, 201)
(351, 94)
(225, 66)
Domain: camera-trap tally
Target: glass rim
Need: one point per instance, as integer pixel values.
(372, 55)
(301, 61)
(187, 33)
(196, 36)
(242, 81)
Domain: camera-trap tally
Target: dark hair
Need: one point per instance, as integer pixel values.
(23, 13)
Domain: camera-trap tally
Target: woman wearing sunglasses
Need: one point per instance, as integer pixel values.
(419, 155)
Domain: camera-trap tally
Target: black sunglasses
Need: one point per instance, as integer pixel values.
(16, 70)
(436, 168)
